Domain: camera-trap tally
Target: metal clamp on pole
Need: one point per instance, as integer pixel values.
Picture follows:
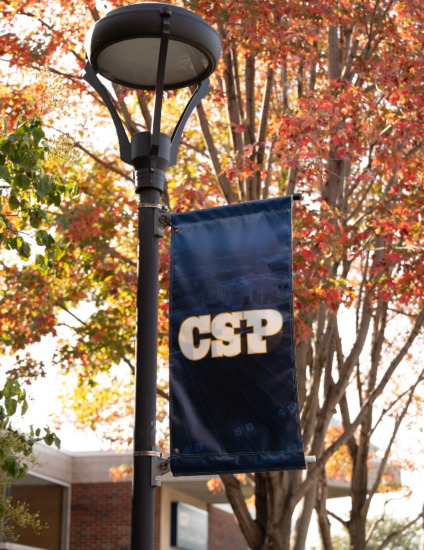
(160, 467)
(160, 205)
(154, 453)
(162, 217)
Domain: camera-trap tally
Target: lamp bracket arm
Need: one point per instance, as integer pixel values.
(90, 76)
(201, 92)
(166, 13)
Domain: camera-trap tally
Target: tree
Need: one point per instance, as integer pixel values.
(322, 98)
(16, 452)
(27, 191)
(409, 539)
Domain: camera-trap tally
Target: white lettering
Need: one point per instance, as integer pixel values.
(265, 322)
(186, 340)
(227, 343)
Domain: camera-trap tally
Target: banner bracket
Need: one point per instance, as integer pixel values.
(162, 218)
(159, 467)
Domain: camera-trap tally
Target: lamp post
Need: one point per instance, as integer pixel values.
(149, 46)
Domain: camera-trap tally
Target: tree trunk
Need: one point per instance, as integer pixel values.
(321, 509)
(300, 531)
(357, 532)
(279, 486)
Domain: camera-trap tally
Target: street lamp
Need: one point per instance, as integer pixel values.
(150, 46)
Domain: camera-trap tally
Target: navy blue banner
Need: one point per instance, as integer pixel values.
(233, 387)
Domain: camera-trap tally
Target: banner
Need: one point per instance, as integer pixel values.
(233, 387)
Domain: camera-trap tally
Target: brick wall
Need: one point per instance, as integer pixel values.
(101, 520)
(101, 516)
(224, 533)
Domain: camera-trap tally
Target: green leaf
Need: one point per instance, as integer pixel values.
(24, 407)
(49, 438)
(54, 198)
(59, 253)
(44, 239)
(4, 174)
(25, 251)
(34, 219)
(12, 467)
(11, 406)
(13, 202)
(39, 260)
(38, 135)
(4, 124)
(26, 182)
(9, 388)
(2, 506)
(45, 216)
(42, 187)
(22, 181)
(57, 441)
(5, 147)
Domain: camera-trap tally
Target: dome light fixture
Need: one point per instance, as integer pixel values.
(124, 46)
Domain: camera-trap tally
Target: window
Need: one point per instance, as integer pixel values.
(236, 296)
(50, 500)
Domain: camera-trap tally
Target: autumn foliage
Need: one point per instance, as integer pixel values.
(319, 98)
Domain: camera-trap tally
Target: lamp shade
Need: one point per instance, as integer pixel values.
(124, 46)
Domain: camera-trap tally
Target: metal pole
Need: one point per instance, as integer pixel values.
(143, 497)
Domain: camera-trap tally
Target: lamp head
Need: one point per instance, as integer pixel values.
(124, 46)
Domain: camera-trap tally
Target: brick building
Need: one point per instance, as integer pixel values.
(86, 510)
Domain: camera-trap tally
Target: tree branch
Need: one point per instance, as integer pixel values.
(263, 125)
(383, 462)
(107, 165)
(231, 96)
(127, 361)
(249, 84)
(342, 521)
(333, 54)
(374, 525)
(402, 312)
(237, 79)
(250, 529)
(268, 175)
(145, 110)
(221, 177)
(62, 306)
(395, 534)
(312, 474)
(385, 411)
